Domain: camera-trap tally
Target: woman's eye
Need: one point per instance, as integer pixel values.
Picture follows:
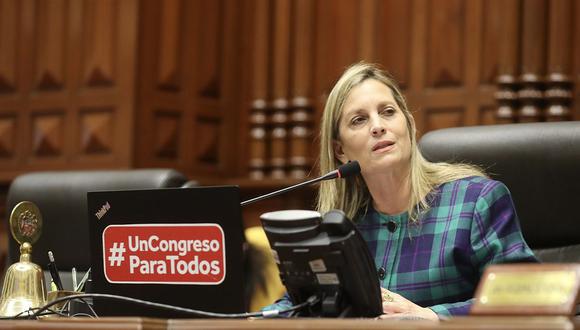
(357, 120)
(389, 111)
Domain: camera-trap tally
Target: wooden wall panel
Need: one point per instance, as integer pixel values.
(66, 103)
(50, 42)
(232, 83)
(445, 43)
(442, 52)
(558, 91)
(170, 49)
(533, 59)
(161, 79)
(303, 42)
(336, 42)
(280, 88)
(510, 21)
(280, 53)
(446, 63)
(206, 83)
(393, 42)
(207, 137)
(100, 25)
(107, 34)
(477, 94)
(301, 128)
(507, 57)
(75, 91)
(9, 23)
(576, 62)
(493, 33)
(487, 115)
(47, 134)
(283, 65)
(187, 95)
(258, 13)
(367, 18)
(533, 37)
(8, 129)
(162, 75)
(443, 118)
(210, 31)
(167, 134)
(560, 30)
(97, 131)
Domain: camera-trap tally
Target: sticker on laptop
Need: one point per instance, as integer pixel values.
(164, 254)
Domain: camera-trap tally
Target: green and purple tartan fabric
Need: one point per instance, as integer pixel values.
(438, 261)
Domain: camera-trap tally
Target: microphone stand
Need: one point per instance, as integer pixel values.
(328, 176)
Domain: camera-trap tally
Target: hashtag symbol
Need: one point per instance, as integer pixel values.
(117, 254)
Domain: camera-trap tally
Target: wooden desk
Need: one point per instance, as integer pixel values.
(120, 323)
(468, 323)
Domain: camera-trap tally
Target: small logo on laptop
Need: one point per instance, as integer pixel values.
(164, 253)
(103, 210)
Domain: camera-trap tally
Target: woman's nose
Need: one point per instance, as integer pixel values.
(378, 131)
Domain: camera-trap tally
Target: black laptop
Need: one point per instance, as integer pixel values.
(179, 246)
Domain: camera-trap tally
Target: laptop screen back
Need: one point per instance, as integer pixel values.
(180, 246)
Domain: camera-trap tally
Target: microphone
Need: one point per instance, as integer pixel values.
(343, 171)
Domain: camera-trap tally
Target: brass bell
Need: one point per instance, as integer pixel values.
(23, 285)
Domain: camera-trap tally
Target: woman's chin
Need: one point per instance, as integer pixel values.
(383, 166)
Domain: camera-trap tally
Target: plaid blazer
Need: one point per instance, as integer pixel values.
(437, 261)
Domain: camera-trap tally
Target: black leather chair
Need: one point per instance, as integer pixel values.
(62, 200)
(540, 164)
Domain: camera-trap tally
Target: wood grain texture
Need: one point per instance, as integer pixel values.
(507, 58)
(302, 74)
(278, 117)
(533, 39)
(446, 22)
(533, 60)
(576, 62)
(558, 92)
(100, 28)
(182, 79)
(51, 54)
(258, 155)
(170, 51)
(393, 37)
(9, 37)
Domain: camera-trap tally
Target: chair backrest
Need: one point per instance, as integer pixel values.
(62, 200)
(539, 163)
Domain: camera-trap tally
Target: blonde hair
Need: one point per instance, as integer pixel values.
(351, 195)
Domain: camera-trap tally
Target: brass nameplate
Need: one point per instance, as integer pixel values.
(528, 289)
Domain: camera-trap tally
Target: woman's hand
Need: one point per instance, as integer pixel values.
(396, 306)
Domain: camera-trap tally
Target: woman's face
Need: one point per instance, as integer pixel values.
(373, 130)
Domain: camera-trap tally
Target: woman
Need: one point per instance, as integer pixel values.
(432, 228)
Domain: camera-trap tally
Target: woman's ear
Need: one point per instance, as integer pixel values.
(338, 152)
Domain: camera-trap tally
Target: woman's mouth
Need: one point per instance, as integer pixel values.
(383, 146)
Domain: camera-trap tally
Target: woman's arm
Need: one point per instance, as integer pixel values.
(280, 304)
(496, 236)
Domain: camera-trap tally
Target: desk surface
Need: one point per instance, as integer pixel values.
(475, 323)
